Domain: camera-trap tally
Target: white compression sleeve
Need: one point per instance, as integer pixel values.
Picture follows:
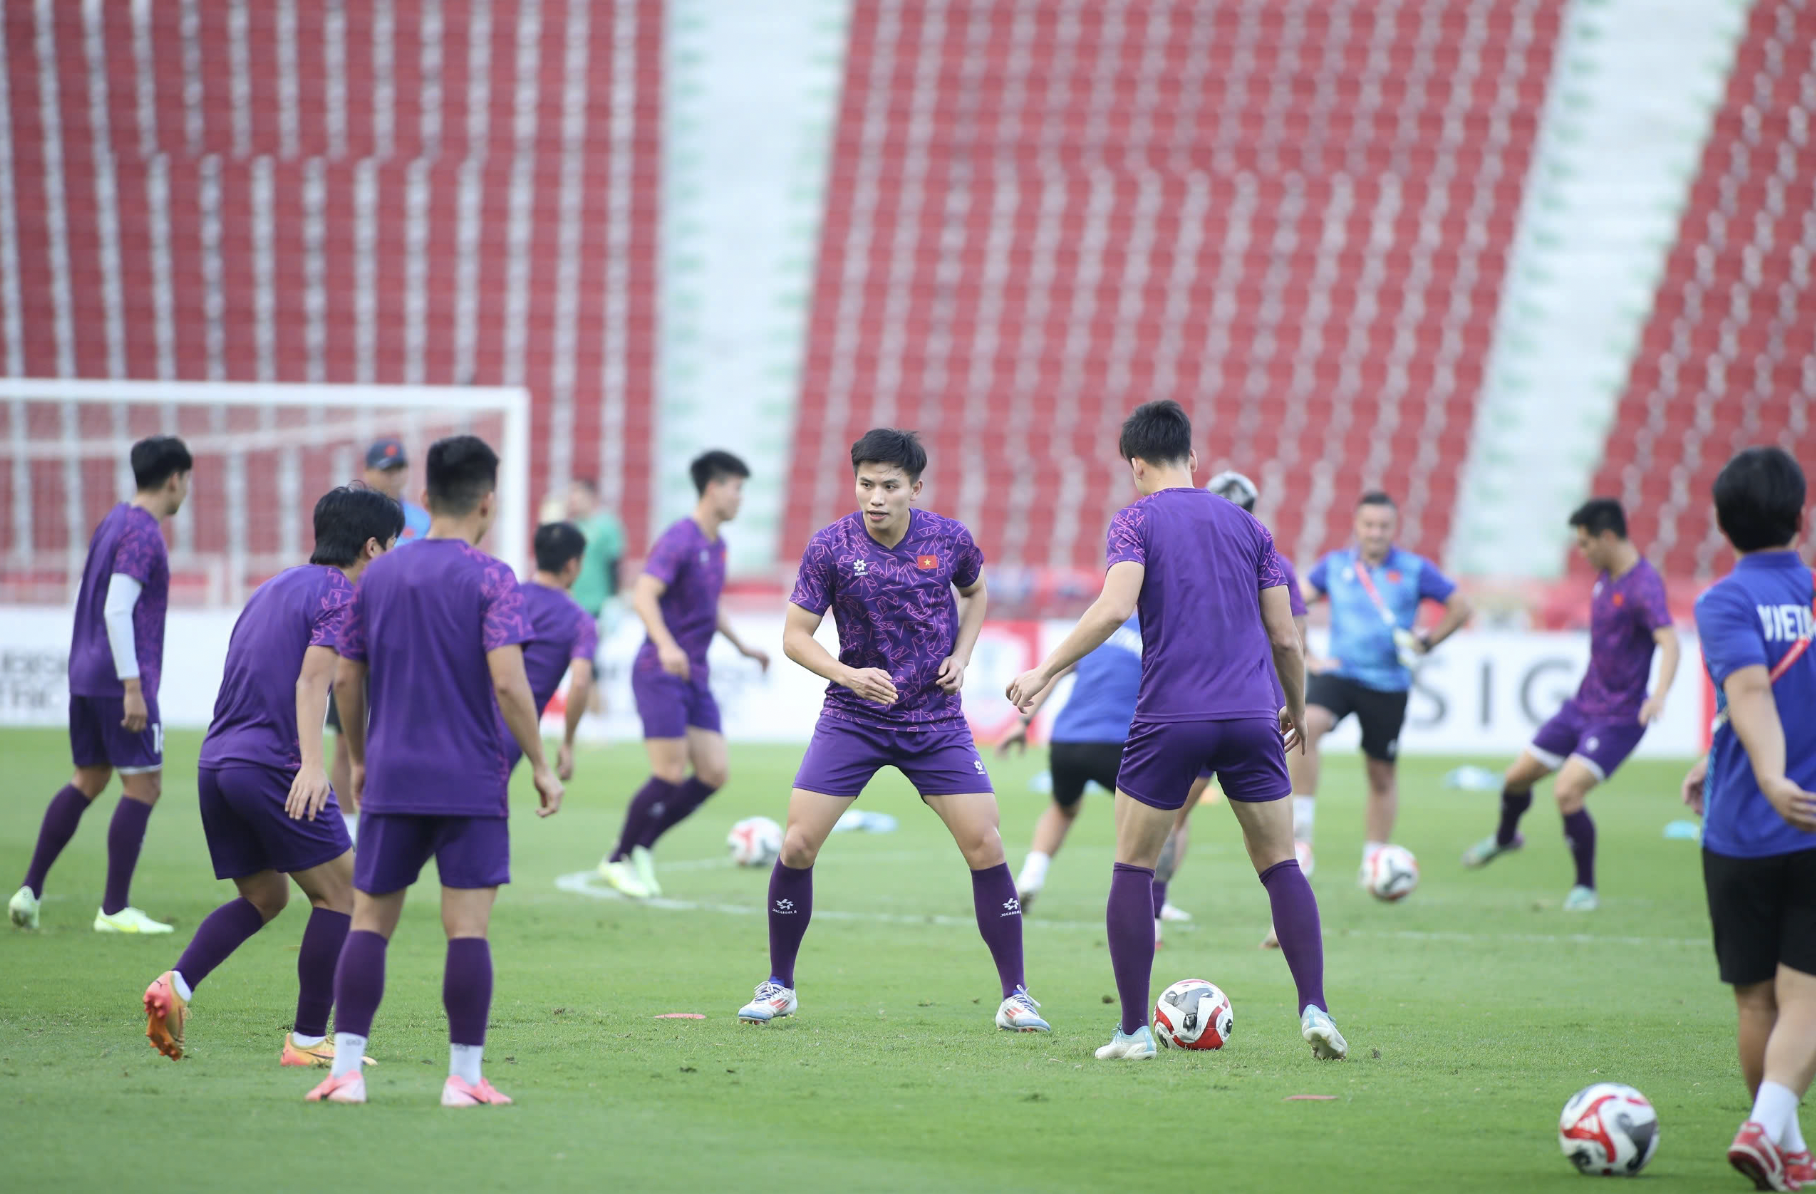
(122, 595)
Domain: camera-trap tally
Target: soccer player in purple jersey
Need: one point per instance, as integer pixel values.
(116, 654)
(1219, 650)
(678, 599)
(1595, 731)
(435, 634)
(888, 572)
(562, 635)
(268, 810)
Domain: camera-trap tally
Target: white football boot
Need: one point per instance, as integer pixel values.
(1019, 1013)
(771, 1002)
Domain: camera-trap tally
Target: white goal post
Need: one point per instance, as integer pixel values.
(264, 452)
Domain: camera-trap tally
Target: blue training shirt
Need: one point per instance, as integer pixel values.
(416, 524)
(1360, 639)
(1754, 616)
(1104, 686)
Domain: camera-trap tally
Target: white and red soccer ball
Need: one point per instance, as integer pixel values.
(755, 841)
(1609, 1130)
(1193, 1014)
(1391, 874)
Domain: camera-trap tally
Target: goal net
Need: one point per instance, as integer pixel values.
(264, 452)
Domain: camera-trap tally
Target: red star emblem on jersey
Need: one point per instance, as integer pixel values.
(1620, 599)
(1393, 578)
(926, 563)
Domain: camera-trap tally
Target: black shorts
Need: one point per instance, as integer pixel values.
(1381, 714)
(1074, 763)
(1764, 913)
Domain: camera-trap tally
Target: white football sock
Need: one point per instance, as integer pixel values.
(352, 820)
(1793, 1136)
(304, 1041)
(463, 1062)
(182, 985)
(1369, 850)
(1304, 809)
(1773, 1108)
(1034, 872)
(349, 1052)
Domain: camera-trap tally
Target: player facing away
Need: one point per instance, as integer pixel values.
(1595, 731)
(268, 810)
(1219, 651)
(435, 634)
(889, 572)
(677, 597)
(1755, 792)
(116, 653)
(1375, 591)
(562, 636)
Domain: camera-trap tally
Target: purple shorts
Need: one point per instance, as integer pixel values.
(248, 831)
(468, 851)
(668, 704)
(938, 761)
(1162, 758)
(97, 739)
(1601, 743)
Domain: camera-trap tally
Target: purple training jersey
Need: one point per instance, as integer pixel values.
(693, 569)
(423, 621)
(255, 712)
(1623, 614)
(1205, 654)
(128, 542)
(894, 609)
(560, 632)
(1295, 598)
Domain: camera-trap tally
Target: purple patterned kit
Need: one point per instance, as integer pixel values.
(560, 632)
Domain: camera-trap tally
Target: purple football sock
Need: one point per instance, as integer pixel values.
(999, 919)
(1296, 925)
(359, 982)
(689, 796)
(1160, 896)
(646, 810)
(1513, 807)
(323, 937)
(125, 835)
(220, 933)
(790, 908)
(1129, 921)
(466, 989)
(1579, 831)
(60, 820)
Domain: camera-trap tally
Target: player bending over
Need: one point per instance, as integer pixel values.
(678, 599)
(268, 810)
(1595, 731)
(116, 653)
(562, 636)
(1375, 590)
(1219, 649)
(888, 573)
(436, 635)
(1754, 791)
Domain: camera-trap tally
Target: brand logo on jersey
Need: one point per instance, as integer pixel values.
(705, 556)
(926, 563)
(859, 568)
(1593, 744)
(979, 764)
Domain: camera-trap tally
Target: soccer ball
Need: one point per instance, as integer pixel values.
(1392, 874)
(755, 841)
(1608, 1129)
(1193, 1014)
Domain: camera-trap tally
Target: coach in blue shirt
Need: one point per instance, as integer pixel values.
(1375, 591)
(1754, 791)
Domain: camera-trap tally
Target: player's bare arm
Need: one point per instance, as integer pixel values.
(1114, 606)
(799, 644)
(511, 684)
(1457, 611)
(1284, 637)
(1669, 652)
(309, 791)
(972, 600)
(646, 599)
(723, 623)
(580, 692)
(350, 699)
(1693, 785)
(1753, 713)
(1017, 738)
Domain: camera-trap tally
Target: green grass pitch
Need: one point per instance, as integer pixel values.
(1473, 1010)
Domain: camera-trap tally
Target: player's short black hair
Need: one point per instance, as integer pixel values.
(711, 466)
(556, 544)
(157, 458)
(347, 516)
(462, 470)
(1157, 432)
(1759, 498)
(890, 445)
(1600, 514)
(1377, 497)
